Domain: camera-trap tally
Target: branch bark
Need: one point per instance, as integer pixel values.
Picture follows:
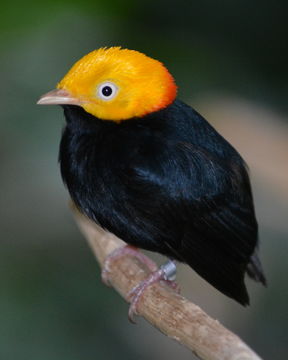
(168, 311)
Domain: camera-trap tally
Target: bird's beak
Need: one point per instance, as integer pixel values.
(58, 97)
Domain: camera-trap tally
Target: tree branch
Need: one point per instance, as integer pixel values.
(171, 313)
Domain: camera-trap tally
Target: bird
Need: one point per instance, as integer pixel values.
(150, 169)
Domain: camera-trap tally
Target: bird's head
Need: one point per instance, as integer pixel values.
(115, 84)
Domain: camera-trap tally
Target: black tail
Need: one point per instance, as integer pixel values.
(254, 269)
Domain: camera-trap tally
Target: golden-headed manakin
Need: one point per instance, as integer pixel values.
(148, 168)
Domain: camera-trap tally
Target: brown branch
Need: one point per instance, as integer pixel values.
(172, 314)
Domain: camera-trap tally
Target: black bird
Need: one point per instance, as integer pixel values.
(151, 170)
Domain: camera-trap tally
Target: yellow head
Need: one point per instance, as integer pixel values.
(115, 84)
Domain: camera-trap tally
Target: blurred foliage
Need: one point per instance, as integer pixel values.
(52, 302)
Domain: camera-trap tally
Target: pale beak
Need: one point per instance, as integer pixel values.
(58, 97)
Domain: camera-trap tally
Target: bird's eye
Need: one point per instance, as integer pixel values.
(107, 91)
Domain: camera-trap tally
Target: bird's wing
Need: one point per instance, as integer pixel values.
(200, 210)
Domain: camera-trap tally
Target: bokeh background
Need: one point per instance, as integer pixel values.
(229, 59)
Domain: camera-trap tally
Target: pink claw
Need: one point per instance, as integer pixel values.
(165, 273)
(173, 285)
(118, 253)
(137, 292)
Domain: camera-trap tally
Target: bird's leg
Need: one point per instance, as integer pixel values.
(169, 276)
(122, 251)
(166, 272)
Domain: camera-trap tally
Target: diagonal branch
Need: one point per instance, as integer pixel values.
(171, 313)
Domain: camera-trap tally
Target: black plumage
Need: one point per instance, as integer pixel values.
(169, 183)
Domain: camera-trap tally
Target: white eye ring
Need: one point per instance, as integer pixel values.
(107, 90)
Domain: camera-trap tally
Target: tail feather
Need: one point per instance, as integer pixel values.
(255, 271)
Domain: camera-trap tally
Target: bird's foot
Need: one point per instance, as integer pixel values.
(166, 273)
(122, 251)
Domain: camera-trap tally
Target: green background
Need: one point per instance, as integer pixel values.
(229, 60)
